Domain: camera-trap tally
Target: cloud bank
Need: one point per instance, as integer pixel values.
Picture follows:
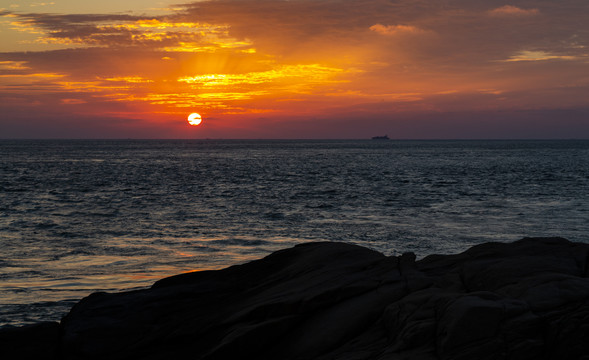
(313, 64)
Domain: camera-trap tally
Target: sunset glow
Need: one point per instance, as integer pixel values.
(303, 69)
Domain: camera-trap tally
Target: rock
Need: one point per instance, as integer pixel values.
(523, 300)
(39, 341)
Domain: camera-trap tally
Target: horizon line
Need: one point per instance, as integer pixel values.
(297, 139)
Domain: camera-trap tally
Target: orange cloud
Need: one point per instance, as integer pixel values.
(13, 65)
(299, 74)
(391, 30)
(509, 10)
(72, 101)
(526, 55)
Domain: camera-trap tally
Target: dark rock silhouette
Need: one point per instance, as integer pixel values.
(523, 300)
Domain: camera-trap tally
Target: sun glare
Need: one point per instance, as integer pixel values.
(194, 119)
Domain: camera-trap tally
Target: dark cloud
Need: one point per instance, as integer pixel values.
(106, 30)
(460, 32)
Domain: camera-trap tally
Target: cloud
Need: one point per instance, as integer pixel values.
(391, 30)
(228, 57)
(13, 65)
(538, 55)
(509, 10)
(120, 30)
(41, 4)
(72, 101)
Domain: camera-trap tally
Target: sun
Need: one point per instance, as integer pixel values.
(194, 119)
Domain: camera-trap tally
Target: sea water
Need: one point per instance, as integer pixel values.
(83, 216)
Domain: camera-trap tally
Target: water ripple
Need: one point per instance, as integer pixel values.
(83, 216)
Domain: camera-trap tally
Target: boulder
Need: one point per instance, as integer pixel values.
(523, 300)
(38, 341)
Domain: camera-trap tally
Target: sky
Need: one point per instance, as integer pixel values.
(305, 69)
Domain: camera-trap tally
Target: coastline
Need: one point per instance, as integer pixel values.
(77, 226)
(521, 300)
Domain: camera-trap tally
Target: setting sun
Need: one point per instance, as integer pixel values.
(194, 119)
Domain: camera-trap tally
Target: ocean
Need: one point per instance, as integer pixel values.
(80, 216)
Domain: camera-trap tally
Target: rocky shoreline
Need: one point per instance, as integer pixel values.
(523, 300)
